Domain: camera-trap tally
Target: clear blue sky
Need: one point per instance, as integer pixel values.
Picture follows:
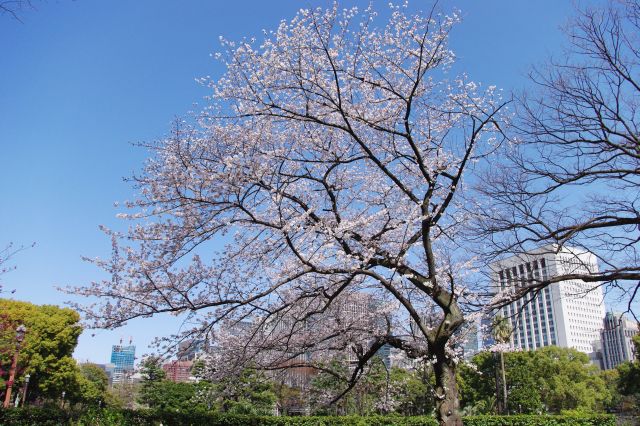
(81, 80)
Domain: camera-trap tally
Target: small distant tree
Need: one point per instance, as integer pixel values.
(169, 396)
(151, 392)
(372, 395)
(151, 370)
(124, 395)
(289, 399)
(411, 388)
(93, 383)
(379, 391)
(250, 393)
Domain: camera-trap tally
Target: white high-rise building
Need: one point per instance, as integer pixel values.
(566, 314)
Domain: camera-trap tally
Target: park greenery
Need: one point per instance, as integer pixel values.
(46, 353)
(110, 417)
(550, 380)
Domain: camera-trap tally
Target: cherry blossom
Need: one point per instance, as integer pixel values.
(330, 165)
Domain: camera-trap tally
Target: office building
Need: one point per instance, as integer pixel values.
(616, 337)
(191, 349)
(178, 371)
(123, 359)
(567, 313)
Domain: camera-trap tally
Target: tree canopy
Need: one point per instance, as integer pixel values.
(334, 151)
(628, 383)
(46, 353)
(93, 383)
(549, 379)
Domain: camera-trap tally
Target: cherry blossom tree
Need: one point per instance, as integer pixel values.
(331, 164)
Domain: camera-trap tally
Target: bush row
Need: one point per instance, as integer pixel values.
(34, 416)
(533, 420)
(107, 417)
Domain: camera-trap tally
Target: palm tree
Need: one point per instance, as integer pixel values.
(501, 331)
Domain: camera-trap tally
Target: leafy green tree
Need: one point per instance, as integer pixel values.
(207, 396)
(250, 393)
(374, 392)
(158, 393)
(46, 353)
(371, 394)
(325, 385)
(628, 384)
(569, 381)
(199, 369)
(524, 387)
(151, 370)
(168, 395)
(151, 389)
(123, 395)
(550, 379)
(412, 390)
(611, 379)
(477, 381)
(93, 383)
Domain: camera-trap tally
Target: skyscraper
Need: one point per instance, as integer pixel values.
(123, 358)
(567, 313)
(191, 349)
(617, 346)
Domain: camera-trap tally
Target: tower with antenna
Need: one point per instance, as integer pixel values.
(123, 359)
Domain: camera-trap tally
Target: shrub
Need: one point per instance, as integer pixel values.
(543, 420)
(31, 416)
(28, 416)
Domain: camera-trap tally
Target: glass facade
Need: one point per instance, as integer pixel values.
(123, 358)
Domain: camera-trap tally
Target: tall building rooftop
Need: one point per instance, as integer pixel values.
(616, 337)
(566, 313)
(123, 359)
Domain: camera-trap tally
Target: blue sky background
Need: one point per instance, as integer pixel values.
(82, 80)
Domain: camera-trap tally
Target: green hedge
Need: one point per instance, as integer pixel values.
(32, 416)
(532, 420)
(145, 417)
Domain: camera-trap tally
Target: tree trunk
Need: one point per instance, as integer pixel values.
(496, 375)
(504, 385)
(447, 402)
